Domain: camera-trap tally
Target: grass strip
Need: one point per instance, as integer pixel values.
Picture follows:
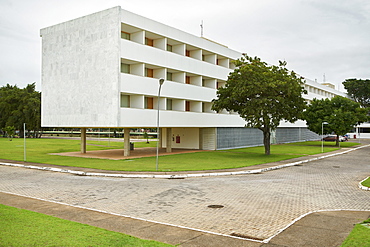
(19, 227)
(38, 152)
(366, 183)
(359, 236)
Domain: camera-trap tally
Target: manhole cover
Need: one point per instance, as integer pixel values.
(215, 206)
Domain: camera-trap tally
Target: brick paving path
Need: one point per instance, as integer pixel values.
(255, 206)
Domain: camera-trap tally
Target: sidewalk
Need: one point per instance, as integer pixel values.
(328, 228)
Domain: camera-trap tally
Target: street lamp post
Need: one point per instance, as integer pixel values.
(161, 81)
(24, 142)
(322, 136)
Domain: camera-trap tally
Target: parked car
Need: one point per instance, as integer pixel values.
(333, 138)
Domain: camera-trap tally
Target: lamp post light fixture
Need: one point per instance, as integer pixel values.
(322, 136)
(161, 81)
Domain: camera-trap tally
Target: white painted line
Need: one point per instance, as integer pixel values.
(189, 228)
(136, 218)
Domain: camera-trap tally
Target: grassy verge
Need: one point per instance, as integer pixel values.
(359, 236)
(20, 227)
(38, 151)
(366, 183)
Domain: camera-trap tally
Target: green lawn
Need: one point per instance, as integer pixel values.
(359, 236)
(38, 151)
(19, 227)
(366, 183)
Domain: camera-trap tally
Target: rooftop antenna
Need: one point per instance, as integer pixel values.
(201, 29)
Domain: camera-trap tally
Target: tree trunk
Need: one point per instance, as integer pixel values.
(266, 141)
(337, 141)
(21, 133)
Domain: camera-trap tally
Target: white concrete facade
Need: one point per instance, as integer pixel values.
(80, 64)
(82, 81)
(102, 70)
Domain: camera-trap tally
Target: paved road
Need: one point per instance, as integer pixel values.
(255, 206)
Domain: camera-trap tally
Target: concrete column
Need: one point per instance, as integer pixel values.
(160, 137)
(83, 140)
(126, 151)
(169, 140)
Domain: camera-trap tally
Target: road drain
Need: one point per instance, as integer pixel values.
(336, 166)
(215, 206)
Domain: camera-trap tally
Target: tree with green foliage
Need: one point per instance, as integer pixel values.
(10, 132)
(18, 106)
(341, 114)
(262, 94)
(358, 90)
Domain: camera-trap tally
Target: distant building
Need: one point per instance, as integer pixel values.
(102, 70)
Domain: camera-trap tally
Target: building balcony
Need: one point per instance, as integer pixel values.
(142, 53)
(147, 118)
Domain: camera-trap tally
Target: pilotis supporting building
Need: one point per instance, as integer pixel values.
(102, 71)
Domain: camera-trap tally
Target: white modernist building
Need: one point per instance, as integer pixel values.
(103, 71)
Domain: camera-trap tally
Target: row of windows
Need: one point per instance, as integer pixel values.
(148, 102)
(163, 43)
(140, 69)
(319, 91)
(364, 130)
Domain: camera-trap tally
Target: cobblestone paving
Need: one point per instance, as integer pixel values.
(256, 205)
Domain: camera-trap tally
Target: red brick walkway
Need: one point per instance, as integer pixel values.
(118, 154)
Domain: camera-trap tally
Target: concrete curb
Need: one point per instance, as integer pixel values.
(262, 241)
(363, 187)
(135, 218)
(181, 176)
(267, 240)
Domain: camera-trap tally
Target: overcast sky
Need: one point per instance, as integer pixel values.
(319, 39)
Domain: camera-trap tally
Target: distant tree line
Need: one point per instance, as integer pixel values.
(19, 106)
(358, 90)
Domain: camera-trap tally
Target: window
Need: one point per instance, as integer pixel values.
(169, 104)
(148, 103)
(125, 68)
(125, 35)
(149, 42)
(149, 72)
(169, 48)
(169, 76)
(364, 130)
(187, 79)
(125, 100)
(187, 105)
